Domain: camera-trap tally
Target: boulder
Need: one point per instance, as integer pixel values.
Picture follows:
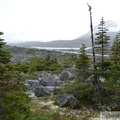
(47, 80)
(68, 100)
(59, 82)
(43, 82)
(32, 84)
(41, 91)
(66, 75)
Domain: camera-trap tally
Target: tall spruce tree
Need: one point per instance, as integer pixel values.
(102, 43)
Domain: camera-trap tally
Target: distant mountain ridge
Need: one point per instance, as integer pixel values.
(112, 26)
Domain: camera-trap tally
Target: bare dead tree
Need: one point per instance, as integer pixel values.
(92, 39)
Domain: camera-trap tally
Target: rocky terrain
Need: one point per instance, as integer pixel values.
(44, 96)
(44, 88)
(21, 54)
(49, 82)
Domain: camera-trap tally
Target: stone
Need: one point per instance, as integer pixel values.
(41, 91)
(47, 80)
(32, 84)
(43, 82)
(66, 75)
(68, 100)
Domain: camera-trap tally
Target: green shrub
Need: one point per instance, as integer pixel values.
(38, 64)
(67, 62)
(14, 102)
(82, 91)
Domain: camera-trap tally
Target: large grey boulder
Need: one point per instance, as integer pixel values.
(66, 75)
(32, 84)
(43, 82)
(58, 82)
(47, 80)
(41, 91)
(68, 100)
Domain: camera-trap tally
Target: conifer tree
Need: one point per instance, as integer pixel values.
(4, 55)
(83, 64)
(13, 99)
(115, 58)
(113, 81)
(102, 43)
(4, 58)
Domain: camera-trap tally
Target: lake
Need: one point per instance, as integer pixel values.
(59, 49)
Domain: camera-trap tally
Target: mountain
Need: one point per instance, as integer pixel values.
(112, 26)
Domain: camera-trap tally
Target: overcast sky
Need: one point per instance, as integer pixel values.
(45, 20)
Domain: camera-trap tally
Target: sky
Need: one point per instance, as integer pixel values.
(46, 20)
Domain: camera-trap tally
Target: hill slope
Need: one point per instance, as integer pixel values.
(112, 26)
